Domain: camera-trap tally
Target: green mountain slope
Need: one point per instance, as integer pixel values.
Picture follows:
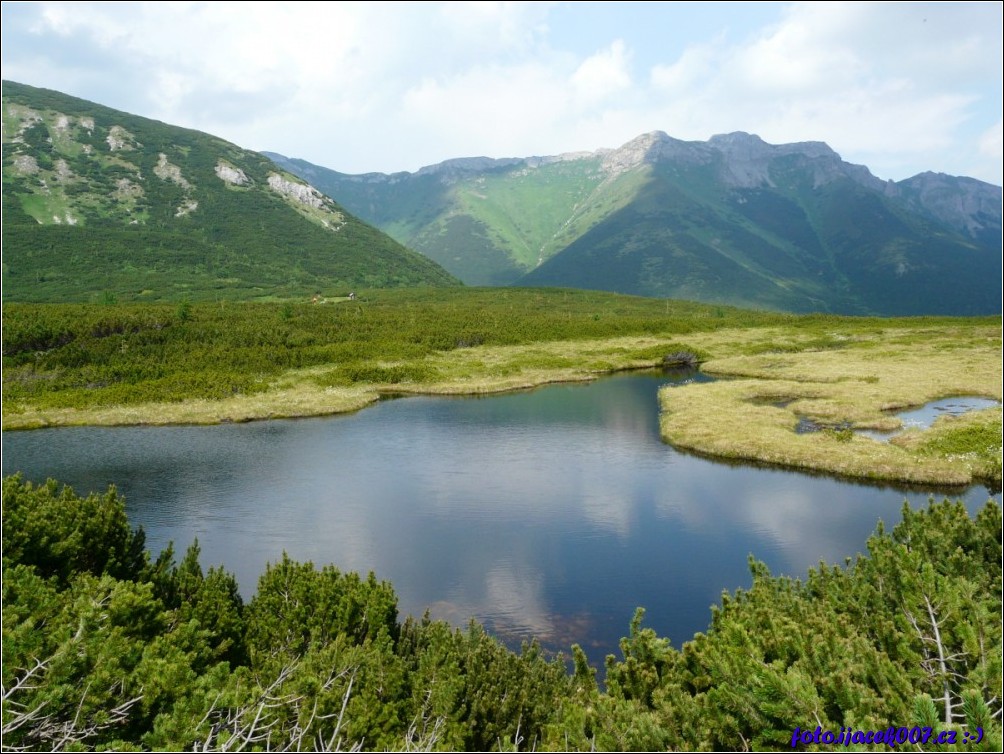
(731, 220)
(667, 243)
(486, 221)
(738, 221)
(100, 203)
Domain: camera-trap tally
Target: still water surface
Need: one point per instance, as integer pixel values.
(551, 513)
(924, 416)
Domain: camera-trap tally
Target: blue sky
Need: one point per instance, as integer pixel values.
(359, 87)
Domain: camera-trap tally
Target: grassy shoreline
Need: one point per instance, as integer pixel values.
(206, 364)
(753, 415)
(298, 394)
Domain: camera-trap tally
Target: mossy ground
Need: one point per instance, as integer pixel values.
(853, 383)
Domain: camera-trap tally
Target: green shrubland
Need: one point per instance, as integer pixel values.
(76, 356)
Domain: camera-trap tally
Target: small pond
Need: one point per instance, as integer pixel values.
(924, 417)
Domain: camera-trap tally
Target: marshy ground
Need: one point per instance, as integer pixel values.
(205, 363)
(856, 381)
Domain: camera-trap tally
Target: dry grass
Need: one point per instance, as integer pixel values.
(498, 369)
(753, 417)
(302, 399)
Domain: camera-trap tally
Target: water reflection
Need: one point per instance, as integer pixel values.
(924, 417)
(551, 513)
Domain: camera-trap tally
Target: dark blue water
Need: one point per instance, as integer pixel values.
(551, 513)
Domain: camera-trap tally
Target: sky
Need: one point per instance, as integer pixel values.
(382, 87)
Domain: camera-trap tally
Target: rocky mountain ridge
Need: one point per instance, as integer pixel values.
(731, 219)
(744, 160)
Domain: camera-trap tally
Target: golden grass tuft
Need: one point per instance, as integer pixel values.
(753, 415)
(299, 400)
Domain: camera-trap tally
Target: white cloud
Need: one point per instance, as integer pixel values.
(991, 142)
(799, 56)
(697, 63)
(902, 87)
(897, 102)
(487, 29)
(602, 74)
(513, 103)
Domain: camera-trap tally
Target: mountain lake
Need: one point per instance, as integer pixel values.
(551, 513)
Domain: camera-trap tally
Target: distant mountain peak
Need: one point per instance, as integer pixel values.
(653, 147)
(748, 161)
(468, 165)
(964, 204)
(745, 160)
(737, 138)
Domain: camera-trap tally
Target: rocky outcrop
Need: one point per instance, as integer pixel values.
(653, 147)
(187, 207)
(300, 192)
(168, 172)
(681, 359)
(963, 204)
(749, 162)
(63, 172)
(25, 164)
(536, 162)
(230, 174)
(126, 190)
(119, 139)
(20, 117)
